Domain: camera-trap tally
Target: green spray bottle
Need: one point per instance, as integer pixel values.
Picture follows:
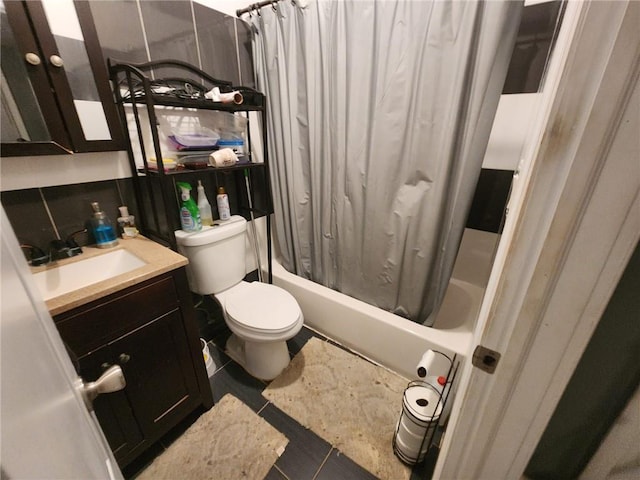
(189, 213)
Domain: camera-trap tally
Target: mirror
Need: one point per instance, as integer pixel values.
(72, 54)
(56, 96)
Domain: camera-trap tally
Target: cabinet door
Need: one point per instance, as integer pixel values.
(113, 410)
(68, 54)
(161, 380)
(31, 120)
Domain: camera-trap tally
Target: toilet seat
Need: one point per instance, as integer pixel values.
(261, 308)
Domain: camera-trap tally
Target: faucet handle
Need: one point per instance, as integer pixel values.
(59, 250)
(36, 255)
(74, 248)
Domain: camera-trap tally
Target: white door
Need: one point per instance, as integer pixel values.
(47, 432)
(572, 225)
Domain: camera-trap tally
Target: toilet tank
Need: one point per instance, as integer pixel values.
(216, 255)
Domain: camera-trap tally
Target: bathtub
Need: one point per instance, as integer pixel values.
(387, 339)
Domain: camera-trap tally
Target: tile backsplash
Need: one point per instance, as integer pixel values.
(40, 215)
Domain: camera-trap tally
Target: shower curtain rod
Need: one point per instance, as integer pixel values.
(255, 6)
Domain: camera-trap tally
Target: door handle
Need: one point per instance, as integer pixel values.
(111, 380)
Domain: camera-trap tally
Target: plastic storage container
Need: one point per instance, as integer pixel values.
(237, 145)
(196, 138)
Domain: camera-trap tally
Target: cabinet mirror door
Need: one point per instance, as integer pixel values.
(30, 116)
(66, 55)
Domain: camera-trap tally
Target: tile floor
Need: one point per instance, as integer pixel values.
(307, 456)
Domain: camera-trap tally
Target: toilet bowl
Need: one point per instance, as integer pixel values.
(261, 316)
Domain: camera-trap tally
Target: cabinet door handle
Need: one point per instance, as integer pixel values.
(56, 61)
(110, 381)
(124, 358)
(32, 58)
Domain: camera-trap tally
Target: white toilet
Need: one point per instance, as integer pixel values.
(261, 316)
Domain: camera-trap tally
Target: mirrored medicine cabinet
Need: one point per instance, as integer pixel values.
(55, 91)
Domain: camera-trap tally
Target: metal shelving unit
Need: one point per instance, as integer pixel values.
(135, 86)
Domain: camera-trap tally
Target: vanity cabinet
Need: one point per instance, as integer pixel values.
(56, 96)
(149, 330)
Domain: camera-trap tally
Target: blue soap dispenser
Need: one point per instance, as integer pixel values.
(102, 228)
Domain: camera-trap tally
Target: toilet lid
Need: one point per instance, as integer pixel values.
(262, 306)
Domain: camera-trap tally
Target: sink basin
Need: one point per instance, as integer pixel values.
(74, 276)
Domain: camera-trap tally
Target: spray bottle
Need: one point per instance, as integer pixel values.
(204, 206)
(224, 212)
(189, 213)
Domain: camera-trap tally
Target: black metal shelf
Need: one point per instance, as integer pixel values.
(191, 171)
(135, 86)
(166, 101)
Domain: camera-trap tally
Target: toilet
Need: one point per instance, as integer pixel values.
(261, 317)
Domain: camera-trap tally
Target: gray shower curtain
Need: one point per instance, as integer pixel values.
(379, 113)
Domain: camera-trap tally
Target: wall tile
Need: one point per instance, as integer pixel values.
(490, 200)
(533, 45)
(170, 33)
(119, 30)
(28, 217)
(216, 36)
(245, 53)
(126, 192)
(70, 205)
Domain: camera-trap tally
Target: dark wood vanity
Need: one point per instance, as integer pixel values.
(150, 331)
(144, 321)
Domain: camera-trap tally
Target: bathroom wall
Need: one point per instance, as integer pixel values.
(47, 197)
(220, 43)
(515, 115)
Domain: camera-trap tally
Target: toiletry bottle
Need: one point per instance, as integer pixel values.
(204, 206)
(102, 228)
(224, 212)
(127, 223)
(189, 213)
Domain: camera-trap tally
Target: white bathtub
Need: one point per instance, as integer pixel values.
(387, 339)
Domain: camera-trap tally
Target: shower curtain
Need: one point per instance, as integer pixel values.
(379, 113)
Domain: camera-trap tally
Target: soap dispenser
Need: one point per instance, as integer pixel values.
(102, 228)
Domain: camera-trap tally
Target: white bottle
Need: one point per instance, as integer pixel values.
(203, 205)
(224, 212)
(127, 223)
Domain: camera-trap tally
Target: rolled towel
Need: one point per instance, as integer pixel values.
(224, 157)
